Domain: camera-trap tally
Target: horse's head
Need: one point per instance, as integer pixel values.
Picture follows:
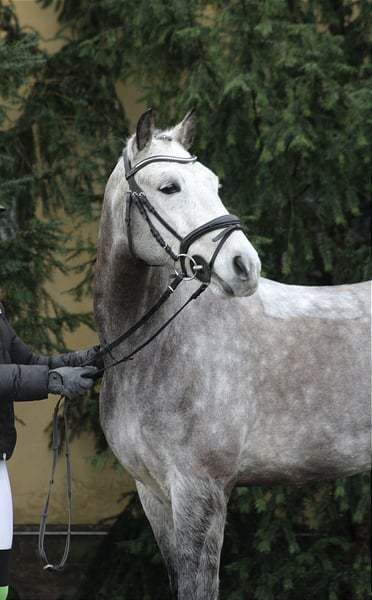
(185, 195)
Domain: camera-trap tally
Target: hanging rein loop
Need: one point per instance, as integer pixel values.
(56, 445)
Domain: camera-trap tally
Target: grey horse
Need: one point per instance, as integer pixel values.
(255, 383)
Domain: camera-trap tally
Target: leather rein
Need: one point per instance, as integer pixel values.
(192, 267)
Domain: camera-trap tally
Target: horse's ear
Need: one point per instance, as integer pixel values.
(145, 129)
(184, 132)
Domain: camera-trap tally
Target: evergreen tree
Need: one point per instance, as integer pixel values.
(282, 92)
(57, 144)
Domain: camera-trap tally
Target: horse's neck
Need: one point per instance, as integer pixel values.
(127, 292)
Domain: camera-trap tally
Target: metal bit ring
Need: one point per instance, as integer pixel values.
(193, 266)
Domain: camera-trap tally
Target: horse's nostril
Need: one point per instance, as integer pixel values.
(241, 267)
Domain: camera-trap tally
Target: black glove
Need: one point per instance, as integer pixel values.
(90, 357)
(71, 381)
(76, 359)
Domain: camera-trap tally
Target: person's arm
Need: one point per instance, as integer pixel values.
(23, 382)
(77, 359)
(33, 382)
(61, 374)
(21, 354)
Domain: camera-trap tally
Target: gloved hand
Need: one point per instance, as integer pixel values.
(89, 356)
(71, 381)
(81, 357)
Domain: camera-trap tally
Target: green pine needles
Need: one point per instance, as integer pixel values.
(61, 129)
(282, 90)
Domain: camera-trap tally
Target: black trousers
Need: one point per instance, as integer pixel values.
(4, 567)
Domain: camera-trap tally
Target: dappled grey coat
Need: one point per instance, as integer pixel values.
(23, 376)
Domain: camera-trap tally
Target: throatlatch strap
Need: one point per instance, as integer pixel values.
(128, 221)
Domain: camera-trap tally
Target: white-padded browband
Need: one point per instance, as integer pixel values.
(159, 158)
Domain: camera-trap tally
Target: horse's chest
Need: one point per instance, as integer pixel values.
(163, 409)
(120, 425)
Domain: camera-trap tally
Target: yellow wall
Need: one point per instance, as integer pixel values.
(97, 494)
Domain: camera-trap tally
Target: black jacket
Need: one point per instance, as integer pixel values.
(23, 376)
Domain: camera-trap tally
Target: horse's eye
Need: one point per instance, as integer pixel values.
(170, 188)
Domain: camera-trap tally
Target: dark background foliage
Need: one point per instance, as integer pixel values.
(282, 90)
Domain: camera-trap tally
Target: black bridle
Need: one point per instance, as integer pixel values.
(136, 197)
(199, 269)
